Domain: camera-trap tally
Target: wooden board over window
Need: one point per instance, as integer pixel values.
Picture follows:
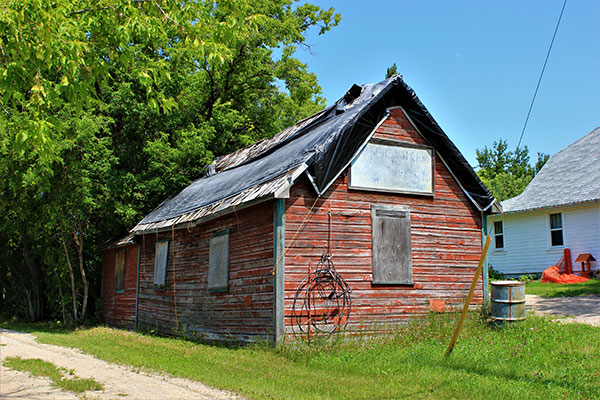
(120, 271)
(393, 166)
(392, 255)
(218, 261)
(160, 263)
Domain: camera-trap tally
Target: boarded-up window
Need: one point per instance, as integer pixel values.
(218, 262)
(160, 263)
(392, 258)
(120, 271)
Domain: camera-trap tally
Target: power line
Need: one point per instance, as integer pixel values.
(541, 74)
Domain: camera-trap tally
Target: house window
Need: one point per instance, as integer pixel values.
(160, 262)
(498, 235)
(218, 262)
(120, 271)
(556, 230)
(391, 245)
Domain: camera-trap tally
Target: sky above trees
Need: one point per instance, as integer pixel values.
(473, 64)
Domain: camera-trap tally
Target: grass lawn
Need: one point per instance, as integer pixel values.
(563, 290)
(535, 359)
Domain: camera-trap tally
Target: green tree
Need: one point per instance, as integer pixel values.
(107, 107)
(391, 71)
(506, 173)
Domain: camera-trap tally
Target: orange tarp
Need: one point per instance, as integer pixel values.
(552, 275)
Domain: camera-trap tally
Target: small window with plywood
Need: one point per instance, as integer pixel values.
(120, 257)
(160, 263)
(391, 245)
(218, 262)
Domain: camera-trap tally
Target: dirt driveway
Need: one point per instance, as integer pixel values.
(582, 309)
(119, 382)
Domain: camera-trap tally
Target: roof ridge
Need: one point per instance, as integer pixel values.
(584, 137)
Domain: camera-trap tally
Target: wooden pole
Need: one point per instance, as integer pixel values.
(470, 296)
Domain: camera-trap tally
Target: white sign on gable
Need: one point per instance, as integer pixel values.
(391, 166)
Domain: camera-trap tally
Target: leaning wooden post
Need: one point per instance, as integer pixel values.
(470, 296)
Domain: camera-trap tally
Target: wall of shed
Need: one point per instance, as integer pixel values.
(118, 309)
(527, 246)
(243, 312)
(445, 235)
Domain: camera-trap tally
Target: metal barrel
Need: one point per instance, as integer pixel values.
(508, 301)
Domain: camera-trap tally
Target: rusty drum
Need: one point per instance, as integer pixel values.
(508, 301)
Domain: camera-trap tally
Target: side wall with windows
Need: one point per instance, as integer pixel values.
(217, 278)
(118, 303)
(445, 241)
(528, 242)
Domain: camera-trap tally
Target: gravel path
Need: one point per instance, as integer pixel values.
(582, 309)
(119, 382)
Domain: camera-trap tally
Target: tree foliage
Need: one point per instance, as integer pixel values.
(391, 71)
(507, 173)
(107, 107)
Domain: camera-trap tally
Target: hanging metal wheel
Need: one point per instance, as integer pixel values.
(322, 303)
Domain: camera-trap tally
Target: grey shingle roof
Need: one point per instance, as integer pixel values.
(570, 176)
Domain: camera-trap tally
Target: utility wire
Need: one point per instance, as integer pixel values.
(541, 74)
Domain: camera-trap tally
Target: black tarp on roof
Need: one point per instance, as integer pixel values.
(326, 144)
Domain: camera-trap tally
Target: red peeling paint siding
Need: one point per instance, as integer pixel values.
(244, 311)
(118, 309)
(445, 236)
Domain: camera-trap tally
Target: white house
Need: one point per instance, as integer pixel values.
(559, 209)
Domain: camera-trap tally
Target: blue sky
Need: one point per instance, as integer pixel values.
(474, 64)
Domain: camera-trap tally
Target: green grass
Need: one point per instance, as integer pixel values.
(535, 359)
(38, 367)
(563, 290)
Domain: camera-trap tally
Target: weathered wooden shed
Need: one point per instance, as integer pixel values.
(372, 178)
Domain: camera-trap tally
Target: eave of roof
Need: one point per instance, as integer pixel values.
(121, 241)
(561, 205)
(275, 188)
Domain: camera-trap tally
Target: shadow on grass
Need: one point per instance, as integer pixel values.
(32, 327)
(19, 325)
(539, 381)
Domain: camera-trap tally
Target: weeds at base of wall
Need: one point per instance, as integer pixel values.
(494, 274)
(188, 333)
(527, 278)
(485, 312)
(437, 325)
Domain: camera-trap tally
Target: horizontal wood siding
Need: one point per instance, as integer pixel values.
(527, 246)
(118, 309)
(445, 235)
(243, 312)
